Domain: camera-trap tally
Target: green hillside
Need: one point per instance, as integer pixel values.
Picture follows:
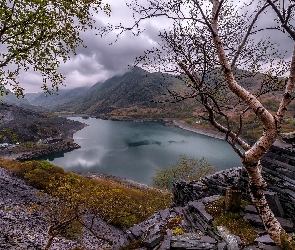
(136, 94)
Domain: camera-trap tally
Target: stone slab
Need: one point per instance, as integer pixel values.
(265, 239)
(250, 209)
(165, 245)
(253, 219)
(288, 225)
(274, 203)
(152, 241)
(199, 207)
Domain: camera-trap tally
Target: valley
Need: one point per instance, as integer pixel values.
(137, 95)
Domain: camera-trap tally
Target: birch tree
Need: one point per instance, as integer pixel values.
(214, 47)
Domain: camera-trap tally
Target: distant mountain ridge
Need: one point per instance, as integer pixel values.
(10, 98)
(134, 94)
(137, 94)
(52, 102)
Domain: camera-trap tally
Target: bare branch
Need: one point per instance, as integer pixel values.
(248, 33)
(281, 18)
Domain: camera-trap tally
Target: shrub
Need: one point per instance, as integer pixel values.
(73, 231)
(186, 168)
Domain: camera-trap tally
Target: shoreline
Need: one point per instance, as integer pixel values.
(210, 133)
(176, 123)
(23, 153)
(114, 180)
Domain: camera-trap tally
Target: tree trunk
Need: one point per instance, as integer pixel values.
(256, 186)
(49, 242)
(233, 199)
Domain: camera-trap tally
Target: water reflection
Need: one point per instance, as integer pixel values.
(142, 143)
(134, 150)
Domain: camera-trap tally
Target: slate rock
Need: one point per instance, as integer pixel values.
(211, 198)
(250, 209)
(136, 231)
(199, 207)
(274, 203)
(152, 241)
(268, 247)
(251, 248)
(253, 219)
(165, 245)
(288, 225)
(208, 239)
(265, 239)
(221, 246)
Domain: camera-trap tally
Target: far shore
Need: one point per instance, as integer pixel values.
(177, 123)
(210, 133)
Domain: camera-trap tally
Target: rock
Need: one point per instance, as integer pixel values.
(268, 247)
(265, 240)
(251, 248)
(274, 203)
(136, 231)
(207, 239)
(221, 246)
(165, 245)
(152, 241)
(250, 209)
(230, 239)
(21, 229)
(288, 225)
(192, 241)
(253, 219)
(199, 207)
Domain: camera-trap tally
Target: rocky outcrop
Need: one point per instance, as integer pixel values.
(278, 171)
(216, 184)
(160, 230)
(190, 198)
(47, 150)
(29, 134)
(157, 232)
(24, 125)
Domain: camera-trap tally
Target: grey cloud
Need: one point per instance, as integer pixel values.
(100, 60)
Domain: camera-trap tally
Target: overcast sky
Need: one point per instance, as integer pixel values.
(100, 60)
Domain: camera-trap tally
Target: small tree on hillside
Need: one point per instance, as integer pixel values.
(186, 168)
(68, 204)
(214, 46)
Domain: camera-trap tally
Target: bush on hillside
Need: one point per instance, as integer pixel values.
(186, 168)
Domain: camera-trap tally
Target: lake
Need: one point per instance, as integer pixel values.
(133, 150)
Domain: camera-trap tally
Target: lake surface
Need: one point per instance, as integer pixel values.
(133, 150)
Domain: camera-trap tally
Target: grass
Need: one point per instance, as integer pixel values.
(233, 221)
(122, 206)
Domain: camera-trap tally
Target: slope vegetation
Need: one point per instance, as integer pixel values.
(136, 94)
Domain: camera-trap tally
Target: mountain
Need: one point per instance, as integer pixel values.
(52, 102)
(10, 98)
(135, 94)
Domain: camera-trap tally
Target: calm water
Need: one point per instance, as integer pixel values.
(134, 150)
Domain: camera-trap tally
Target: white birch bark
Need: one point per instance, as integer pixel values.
(271, 127)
